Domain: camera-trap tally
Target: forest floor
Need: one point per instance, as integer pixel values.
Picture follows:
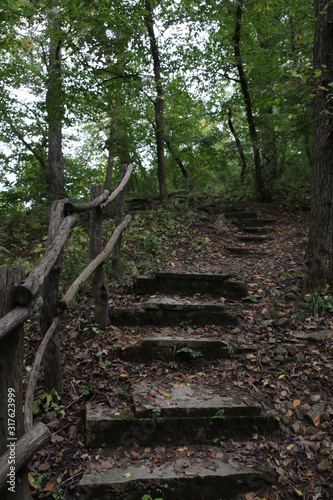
(288, 371)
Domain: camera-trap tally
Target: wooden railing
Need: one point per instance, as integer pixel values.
(20, 300)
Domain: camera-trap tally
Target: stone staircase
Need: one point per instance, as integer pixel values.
(255, 231)
(161, 446)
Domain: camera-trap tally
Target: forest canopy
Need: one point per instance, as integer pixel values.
(209, 96)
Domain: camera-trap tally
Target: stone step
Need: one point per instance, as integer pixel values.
(187, 478)
(170, 312)
(179, 349)
(180, 414)
(245, 251)
(253, 222)
(256, 230)
(239, 214)
(190, 284)
(254, 238)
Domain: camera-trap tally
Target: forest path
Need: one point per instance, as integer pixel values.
(173, 398)
(186, 412)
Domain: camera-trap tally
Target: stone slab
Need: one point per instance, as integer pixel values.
(185, 400)
(245, 251)
(179, 349)
(186, 479)
(239, 214)
(253, 222)
(254, 238)
(190, 284)
(170, 312)
(256, 230)
(192, 276)
(105, 427)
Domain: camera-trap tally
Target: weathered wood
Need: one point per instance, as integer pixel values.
(26, 291)
(116, 252)
(121, 186)
(99, 279)
(94, 203)
(52, 355)
(11, 374)
(25, 448)
(33, 375)
(70, 294)
(18, 316)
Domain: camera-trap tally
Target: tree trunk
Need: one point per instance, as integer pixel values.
(11, 399)
(99, 280)
(320, 250)
(259, 181)
(55, 110)
(111, 148)
(52, 355)
(239, 147)
(178, 160)
(116, 253)
(159, 105)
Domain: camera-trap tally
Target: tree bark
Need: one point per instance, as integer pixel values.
(52, 354)
(119, 188)
(71, 208)
(11, 398)
(70, 294)
(33, 376)
(26, 447)
(159, 105)
(259, 181)
(319, 271)
(99, 279)
(116, 252)
(54, 109)
(239, 147)
(178, 160)
(50, 263)
(18, 316)
(111, 148)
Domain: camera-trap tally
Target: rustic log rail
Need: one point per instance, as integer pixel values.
(25, 292)
(71, 292)
(19, 301)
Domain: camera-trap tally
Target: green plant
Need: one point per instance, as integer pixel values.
(37, 479)
(192, 352)
(219, 440)
(48, 401)
(320, 302)
(219, 414)
(231, 348)
(88, 389)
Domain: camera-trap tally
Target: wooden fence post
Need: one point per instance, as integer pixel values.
(11, 399)
(52, 355)
(99, 279)
(116, 253)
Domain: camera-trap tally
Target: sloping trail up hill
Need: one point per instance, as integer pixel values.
(195, 421)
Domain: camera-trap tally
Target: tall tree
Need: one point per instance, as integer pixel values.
(320, 250)
(54, 108)
(248, 104)
(159, 104)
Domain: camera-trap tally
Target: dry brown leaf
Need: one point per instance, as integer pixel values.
(316, 421)
(32, 481)
(165, 394)
(50, 486)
